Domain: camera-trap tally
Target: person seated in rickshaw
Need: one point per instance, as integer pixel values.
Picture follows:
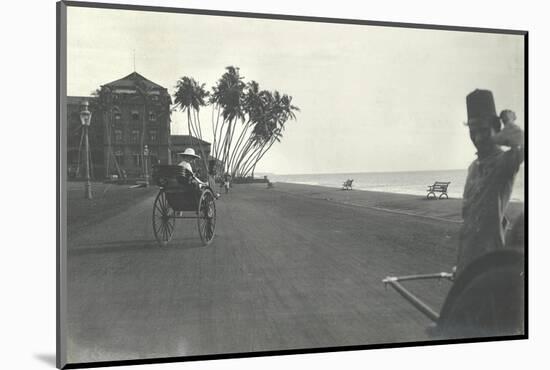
(188, 158)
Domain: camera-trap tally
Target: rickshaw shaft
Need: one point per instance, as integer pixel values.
(439, 275)
(414, 300)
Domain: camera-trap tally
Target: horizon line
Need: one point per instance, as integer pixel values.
(352, 172)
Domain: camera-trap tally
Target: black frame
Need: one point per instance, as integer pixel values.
(61, 33)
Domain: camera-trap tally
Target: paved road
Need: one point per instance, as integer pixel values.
(283, 272)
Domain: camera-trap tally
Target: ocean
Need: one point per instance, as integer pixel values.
(413, 182)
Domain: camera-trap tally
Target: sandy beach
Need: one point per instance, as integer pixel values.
(291, 267)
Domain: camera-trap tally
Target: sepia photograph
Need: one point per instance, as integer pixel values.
(240, 184)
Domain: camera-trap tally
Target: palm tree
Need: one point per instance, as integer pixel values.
(252, 107)
(263, 129)
(227, 96)
(285, 112)
(189, 97)
(262, 114)
(270, 131)
(258, 107)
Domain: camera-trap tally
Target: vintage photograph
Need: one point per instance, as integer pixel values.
(239, 184)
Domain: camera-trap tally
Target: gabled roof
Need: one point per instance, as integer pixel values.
(186, 140)
(132, 80)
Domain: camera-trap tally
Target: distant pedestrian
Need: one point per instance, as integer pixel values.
(490, 179)
(226, 182)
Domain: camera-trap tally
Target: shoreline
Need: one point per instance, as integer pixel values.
(400, 182)
(405, 204)
(452, 195)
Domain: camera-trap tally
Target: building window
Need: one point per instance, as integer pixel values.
(119, 155)
(135, 137)
(155, 98)
(118, 136)
(152, 116)
(135, 115)
(116, 114)
(153, 136)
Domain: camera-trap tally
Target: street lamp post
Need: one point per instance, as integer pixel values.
(145, 156)
(85, 119)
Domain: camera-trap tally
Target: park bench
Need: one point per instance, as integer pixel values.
(438, 187)
(347, 184)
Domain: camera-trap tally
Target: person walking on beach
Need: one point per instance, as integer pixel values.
(490, 178)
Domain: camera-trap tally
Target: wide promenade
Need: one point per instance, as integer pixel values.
(290, 267)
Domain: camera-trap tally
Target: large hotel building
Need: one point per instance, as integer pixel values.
(128, 115)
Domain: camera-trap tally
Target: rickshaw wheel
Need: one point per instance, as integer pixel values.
(163, 220)
(206, 220)
(487, 298)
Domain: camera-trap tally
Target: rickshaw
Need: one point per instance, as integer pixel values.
(486, 299)
(180, 197)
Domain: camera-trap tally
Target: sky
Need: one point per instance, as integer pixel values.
(372, 98)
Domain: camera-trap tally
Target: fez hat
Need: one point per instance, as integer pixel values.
(189, 152)
(480, 105)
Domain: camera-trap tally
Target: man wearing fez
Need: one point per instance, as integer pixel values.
(490, 178)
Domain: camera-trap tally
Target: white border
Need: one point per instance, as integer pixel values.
(28, 186)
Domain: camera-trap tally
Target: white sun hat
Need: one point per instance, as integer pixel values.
(189, 152)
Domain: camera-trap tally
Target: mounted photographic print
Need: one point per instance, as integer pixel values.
(236, 184)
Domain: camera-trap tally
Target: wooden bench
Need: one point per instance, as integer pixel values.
(347, 184)
(438, 187)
